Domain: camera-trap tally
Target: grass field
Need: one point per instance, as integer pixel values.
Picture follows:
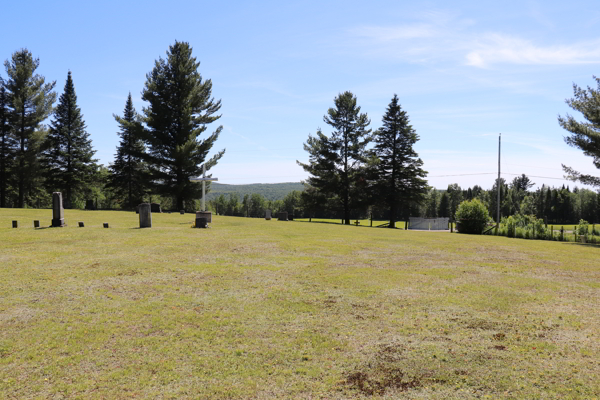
(266, 309)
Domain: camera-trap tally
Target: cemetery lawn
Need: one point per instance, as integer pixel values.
(266, 309)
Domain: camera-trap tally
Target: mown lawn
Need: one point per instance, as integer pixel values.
(266, 309)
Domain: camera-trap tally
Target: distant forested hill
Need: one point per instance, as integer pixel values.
(270, 191)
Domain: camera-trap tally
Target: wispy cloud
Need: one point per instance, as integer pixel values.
(504, 49)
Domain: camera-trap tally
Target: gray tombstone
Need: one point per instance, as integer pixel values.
(58, 212)
(268, 215)
(182, 212)
(282, 216)
(145, 215)
(205, 214)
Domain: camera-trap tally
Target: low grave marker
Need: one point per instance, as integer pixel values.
(15, 224)
(36, 224)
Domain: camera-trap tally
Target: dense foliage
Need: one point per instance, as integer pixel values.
(472, 216)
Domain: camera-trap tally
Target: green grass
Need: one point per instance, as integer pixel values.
(266, 309)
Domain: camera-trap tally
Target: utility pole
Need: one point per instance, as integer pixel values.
(498, 186)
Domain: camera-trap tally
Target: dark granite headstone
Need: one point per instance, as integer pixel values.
(89, 205)
(201, 222)
(58, 212)
(205, 214)
(182, 212)
(36, 224)
(145, 211)
(282, 216)
(155, 208)
(81, 224)
(15, 224)
(105, 224)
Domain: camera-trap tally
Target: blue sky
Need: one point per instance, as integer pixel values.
(463, 70)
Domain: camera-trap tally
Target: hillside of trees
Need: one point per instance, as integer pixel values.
(270, 191)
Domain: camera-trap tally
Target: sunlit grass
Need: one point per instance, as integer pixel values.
(266, 309)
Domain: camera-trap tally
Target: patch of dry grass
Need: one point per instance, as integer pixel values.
(265, 309)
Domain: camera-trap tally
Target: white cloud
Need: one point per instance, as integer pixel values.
(504, 49)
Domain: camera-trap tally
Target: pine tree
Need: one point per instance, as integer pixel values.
(336, 163)
(398, 173)
(7, 144)
(129, 172)
(584, 135)
(68, 162)
(30, 103)
(180, 109)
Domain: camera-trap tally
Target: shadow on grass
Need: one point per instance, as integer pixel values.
(597, 245)
(352, 224)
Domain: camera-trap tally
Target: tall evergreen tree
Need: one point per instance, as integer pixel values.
(180, 109)
(584, 135)
(336, 163)
(129, 173)
(398, 173)
(7, 143)
(68, 155)
(30, 103)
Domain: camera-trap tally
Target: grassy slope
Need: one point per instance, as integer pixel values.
(262, 309)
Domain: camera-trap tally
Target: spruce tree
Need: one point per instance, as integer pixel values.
(7, 144)
(399, 178)
(30, 103)
(68, 156)
(128, 172)
(337, 163)
(584, 135)
(180, 108)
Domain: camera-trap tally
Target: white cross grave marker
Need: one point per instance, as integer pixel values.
(203, 180)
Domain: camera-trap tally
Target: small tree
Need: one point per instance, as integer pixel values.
(472, 216)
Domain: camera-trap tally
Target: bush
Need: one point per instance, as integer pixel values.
(582, 230)
(473, 216)
(511, 226)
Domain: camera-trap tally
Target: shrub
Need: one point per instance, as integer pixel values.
(473, 216)
(511, 226)
(582, 230)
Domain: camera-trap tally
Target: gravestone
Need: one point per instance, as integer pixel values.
(58, 212)
(105, 224)
(145, 215)
(89, 205)
(282, 216)
(155, 207)
(81, 224)
(182, 212)
(204, 214)
(201, 222)
(291, 217)
(15, 224)
(36, 224)
(268, 215)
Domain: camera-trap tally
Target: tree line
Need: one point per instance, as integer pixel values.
(159, 149)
